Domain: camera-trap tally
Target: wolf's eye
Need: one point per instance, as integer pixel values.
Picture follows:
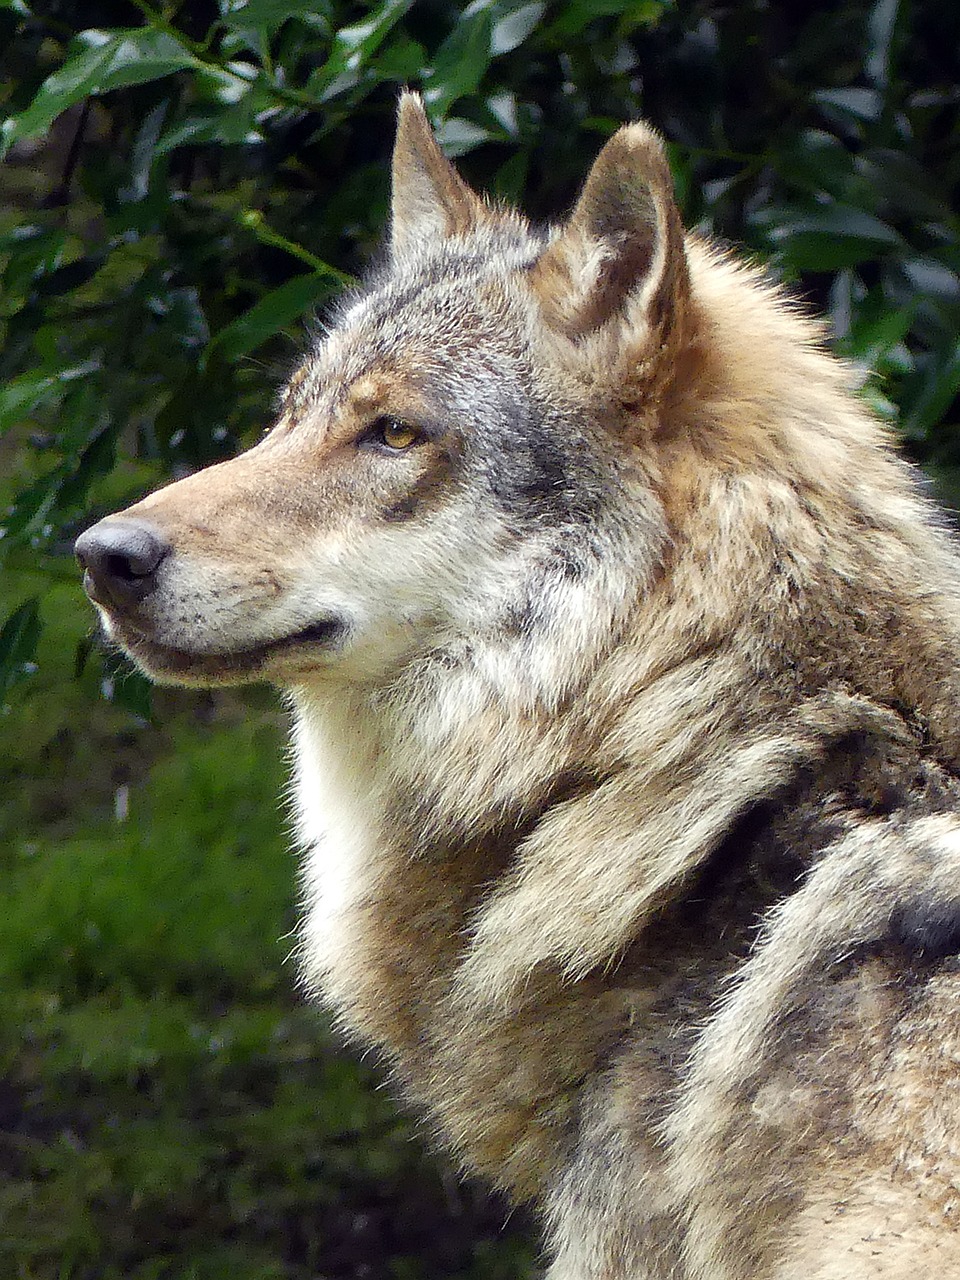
(394, 433)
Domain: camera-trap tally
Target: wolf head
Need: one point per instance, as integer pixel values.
(459, 458)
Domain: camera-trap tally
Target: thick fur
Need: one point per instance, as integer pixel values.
(626, 726)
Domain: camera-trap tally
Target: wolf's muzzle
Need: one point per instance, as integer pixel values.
(120, 559)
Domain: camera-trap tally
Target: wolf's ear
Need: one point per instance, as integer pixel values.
(430, 199)
(620, 259)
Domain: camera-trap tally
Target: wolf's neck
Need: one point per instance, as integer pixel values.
(392, 889)
(478, 899)
(405, 825)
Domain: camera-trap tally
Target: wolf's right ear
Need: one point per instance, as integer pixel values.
(430, 199)
(619, 264)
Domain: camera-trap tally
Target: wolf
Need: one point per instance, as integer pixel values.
(622, 653)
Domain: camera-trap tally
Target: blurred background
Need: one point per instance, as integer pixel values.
(184, 184)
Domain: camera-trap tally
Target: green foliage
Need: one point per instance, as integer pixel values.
(183, 183)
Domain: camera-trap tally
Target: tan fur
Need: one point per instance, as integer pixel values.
(627, 730)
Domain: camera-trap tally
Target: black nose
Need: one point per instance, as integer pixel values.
(121, 559)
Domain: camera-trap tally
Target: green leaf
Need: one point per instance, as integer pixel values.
(815, 161)
(18, 644)
(32, 255)
(940, 382)
(231, 115)
(87, 452)
(232, 119)
(457, 137)
(880, 31)
(125, 686)
(275, 311)
(510, 179)
(580, 13)
(870, 340)
(946, 484)
(354, 46)
(144, 153)
(510, 31)
(911, 188)
(19, 398)
(826, 237)
(106, 60)
(402, 61)
(264, 15)
(852, 107)
(934, 279)
(461, 60)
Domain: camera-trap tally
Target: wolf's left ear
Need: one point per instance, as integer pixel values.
(430, 199)
(620, 260)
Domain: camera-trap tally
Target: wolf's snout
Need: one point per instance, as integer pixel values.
(120, 559)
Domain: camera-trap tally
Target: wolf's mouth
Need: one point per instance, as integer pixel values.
(225, 666)
(323, 632)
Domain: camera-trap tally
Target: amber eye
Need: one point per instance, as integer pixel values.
(395, 433)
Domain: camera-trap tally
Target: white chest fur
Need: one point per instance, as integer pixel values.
(339, 795)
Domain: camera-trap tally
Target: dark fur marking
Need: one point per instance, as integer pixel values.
(769, 847)
(567, 561)
(530, 475)
(397, 512)
(754, 863)
(571, 565)
(536, 473)
(521, 619)
(424, 493)
(927, 927)
(501, 840)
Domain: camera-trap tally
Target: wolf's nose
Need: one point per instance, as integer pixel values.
(120, 559)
